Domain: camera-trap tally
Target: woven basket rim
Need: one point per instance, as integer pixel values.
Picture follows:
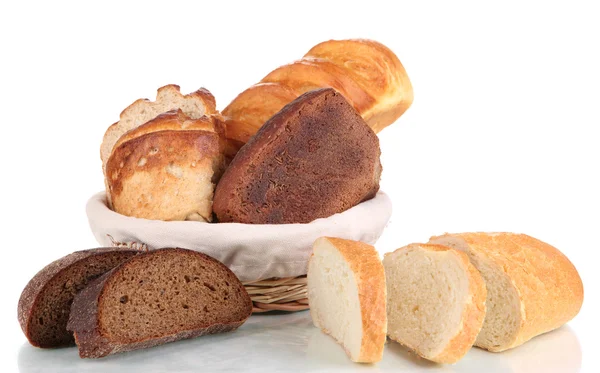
(278, 294)
(251, 251)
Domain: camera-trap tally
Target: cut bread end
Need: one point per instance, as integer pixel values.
(346, 292)
(435, 301)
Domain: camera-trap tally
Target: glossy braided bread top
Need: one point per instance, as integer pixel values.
(365, 72)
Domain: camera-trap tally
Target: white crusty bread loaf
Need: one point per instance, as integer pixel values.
(169, 97)
(346, 294)
(435, 301)
(167, 168)
(532, 287)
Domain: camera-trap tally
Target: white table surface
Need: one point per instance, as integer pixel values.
(290, 343)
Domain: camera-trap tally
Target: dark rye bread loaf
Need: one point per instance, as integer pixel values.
(314, 158)
(44, 306)
(157, 297)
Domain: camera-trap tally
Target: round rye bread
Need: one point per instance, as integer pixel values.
(314, 158)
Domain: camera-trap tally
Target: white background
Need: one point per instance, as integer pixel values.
(502, 135)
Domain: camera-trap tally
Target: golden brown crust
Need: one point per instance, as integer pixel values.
(174, 120)
(368, 270)
(310, 73)
(368, 74)
(377, 70)
(159, 169)
(549, 287)
(253, 107)
(118, 129)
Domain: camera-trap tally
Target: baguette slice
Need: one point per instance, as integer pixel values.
(435, 301)
(346, 293)
(532, 287)
(45, 303)
(157, 297)
(169, 97)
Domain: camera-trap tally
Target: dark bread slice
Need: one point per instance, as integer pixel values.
(314, 158)
(44, 306)
(157, 297)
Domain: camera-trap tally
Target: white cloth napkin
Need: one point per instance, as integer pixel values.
(251, 251)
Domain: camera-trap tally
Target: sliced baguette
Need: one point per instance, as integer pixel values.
(45, 303)
(157, 297)
(532, 287)
(346, 293)
(169, 97)
(435, 301)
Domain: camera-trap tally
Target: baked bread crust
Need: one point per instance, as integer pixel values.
(166, 169)
(92, 340)
(548, 285)
(143, 110)
(377, 70)
(367, 73)
(252, 108)
(314, 158)
(46, 277)
(364, 262)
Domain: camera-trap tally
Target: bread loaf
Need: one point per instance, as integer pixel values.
(532, 288)
(157, 297)
(314, 158)
(435, 301)
(167, 168)
(45, 303)
(194, 105)
(346, 294)
(365, 72)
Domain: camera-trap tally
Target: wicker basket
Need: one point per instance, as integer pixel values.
(283, 294)
(270, 260)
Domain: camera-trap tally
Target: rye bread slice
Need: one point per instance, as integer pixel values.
(157, 297)
(314, 158)
(44, 306)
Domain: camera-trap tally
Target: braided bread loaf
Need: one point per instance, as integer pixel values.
(365, 72)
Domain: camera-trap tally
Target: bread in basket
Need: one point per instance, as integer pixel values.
(311, 170)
